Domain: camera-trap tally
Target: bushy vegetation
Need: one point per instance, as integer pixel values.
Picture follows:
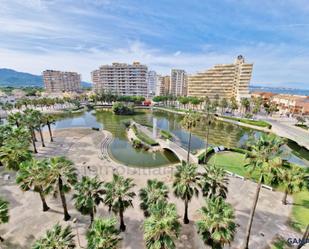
(143, 137)
(122, 109)
(166, 134)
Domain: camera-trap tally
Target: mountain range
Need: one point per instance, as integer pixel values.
(10, 77)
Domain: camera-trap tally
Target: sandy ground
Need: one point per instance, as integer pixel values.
(88, 150)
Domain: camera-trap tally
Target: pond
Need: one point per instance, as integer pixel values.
(221, 133)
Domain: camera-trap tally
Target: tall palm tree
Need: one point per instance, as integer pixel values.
(31, 123)
(263, 158)
(214, 182)
(56, 237)
(162, 227)
(60, 176)
(217, 223)
(185, 185)
(209, 118)
(103, 234)
(119, 196)
(154, 192)
(4, 213)
(29, 178)
(88, 195)
(189, 122)
(49, 120)
(293, 179)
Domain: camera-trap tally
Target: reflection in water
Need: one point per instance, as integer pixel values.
(221, 133)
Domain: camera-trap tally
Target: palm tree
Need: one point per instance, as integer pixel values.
(49, 120)
(185, 185)
(12, 154)
(189, 122)
(15, 119)
(216, 225)
(30, 122)
(214, 182)
(57, 237)
(209, 116)
(118, 196)
(154, 192)
(4, 213)
(245, 103)
(293, 179)
(60, 176)
(88, 195)
(103, 234)
(29, 178)
(162, 227)
(263, 158)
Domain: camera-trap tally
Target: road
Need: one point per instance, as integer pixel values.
(286, 128)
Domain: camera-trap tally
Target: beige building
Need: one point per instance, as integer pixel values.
(57, 81)
(178, 82)
(163, 87)
(224, 80)
(121, 79)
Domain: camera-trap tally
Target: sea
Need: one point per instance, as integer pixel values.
(292, 91)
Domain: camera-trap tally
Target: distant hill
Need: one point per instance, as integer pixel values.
(10, 77)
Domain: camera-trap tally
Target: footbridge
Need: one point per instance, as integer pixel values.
(180, 152)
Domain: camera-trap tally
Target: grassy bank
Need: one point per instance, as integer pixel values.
(143, 137)
(259, 123)
(234, 162)
(166, 134)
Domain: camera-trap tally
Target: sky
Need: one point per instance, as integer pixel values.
(81, 35)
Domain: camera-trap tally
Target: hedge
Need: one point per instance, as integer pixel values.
(259, 123)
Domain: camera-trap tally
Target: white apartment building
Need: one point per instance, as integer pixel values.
(152, 81)
(178, 82)
(121, 79)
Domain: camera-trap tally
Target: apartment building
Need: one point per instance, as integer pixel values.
(121, 79)
(224, 80)
(178, 82)
(291, 104)
(152, 81)
(58, 82)
(163, 86)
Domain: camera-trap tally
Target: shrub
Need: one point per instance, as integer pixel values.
(121, 109)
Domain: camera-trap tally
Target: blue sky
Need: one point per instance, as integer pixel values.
(81, 35)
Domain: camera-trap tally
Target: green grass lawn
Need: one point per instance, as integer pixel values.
(259, 123)
(234, 162)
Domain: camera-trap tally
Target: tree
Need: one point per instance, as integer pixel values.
(245, 103)
(223, 104)
(60, 176)
(293, 179)
(4, 213)
(209, 118)
(119, 196)
(185, 185)
(103, 234)
(57, 237)
(262, 157)
(217, 225)
(213, 181)
(29, 178)
(88, 195)
(162, 227)
(234, 105)
(15, 119)
(154, 192)
(189, 122)
(49, 120)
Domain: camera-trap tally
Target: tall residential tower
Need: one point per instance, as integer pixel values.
(178, 82)
(224, 80)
